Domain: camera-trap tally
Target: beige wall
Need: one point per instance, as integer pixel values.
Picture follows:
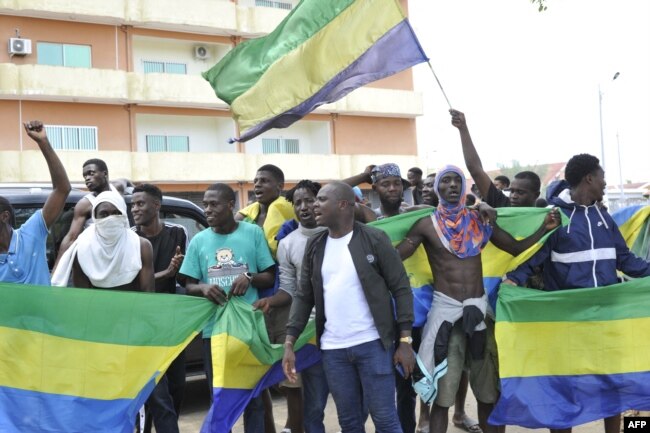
(356, 135)
(108, 42)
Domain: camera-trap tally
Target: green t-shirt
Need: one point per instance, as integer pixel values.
(213, 258)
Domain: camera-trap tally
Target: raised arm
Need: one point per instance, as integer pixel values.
(503, 240)
(363, 177)
(472, 160)
(60, 183)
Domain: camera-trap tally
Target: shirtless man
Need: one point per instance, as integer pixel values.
(453, 239)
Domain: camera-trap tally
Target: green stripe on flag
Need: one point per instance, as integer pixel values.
(518, 304)
(124, 318)
(235, 72)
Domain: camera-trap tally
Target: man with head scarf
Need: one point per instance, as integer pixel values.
(108, 255)
(457, 329)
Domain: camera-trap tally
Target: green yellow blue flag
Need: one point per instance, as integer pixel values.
(519, 222)
(244, 362)
(569, 357)
(80, 360)
(318, 54)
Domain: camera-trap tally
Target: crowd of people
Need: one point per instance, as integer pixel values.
(308, 252)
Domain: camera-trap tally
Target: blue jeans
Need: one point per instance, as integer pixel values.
(315, 392)
(254, 411)
(363, 375)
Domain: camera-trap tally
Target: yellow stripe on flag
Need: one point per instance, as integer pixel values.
(232, 358)
(317, 61)
(529, 349)
(40, 362)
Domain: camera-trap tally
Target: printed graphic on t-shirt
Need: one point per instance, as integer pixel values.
(224, 272)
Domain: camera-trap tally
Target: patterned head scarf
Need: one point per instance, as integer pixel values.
(460, 229)
(386, 170)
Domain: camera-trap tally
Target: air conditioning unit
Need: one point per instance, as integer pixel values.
(201, 52)
(20, 46)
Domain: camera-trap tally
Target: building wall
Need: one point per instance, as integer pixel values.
(112, 121)
(108, 43)
(372, 125)
(357, 135)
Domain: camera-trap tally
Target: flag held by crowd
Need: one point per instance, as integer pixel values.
(244, 362)
(78, 360)
(572, 356)
(519, 222)
(318, 54)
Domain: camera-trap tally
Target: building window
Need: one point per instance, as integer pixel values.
(274, 4)
(74, 56)
(164, 67)
(280, 145)
(72, 137)
(168, 143)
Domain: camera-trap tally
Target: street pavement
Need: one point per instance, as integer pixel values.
(197, 403)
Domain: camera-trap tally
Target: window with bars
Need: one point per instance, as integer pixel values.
(164, 67)
(75, 56)
(274, 4)
(168, 143)
(72, 137)
(280, 145)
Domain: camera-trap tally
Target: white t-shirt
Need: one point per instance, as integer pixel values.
(348, 319)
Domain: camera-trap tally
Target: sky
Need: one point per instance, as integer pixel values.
(528, 81)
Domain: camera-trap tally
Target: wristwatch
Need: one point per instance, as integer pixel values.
(407, 340)
(249, 276)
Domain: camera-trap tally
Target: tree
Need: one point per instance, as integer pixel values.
(541, 4)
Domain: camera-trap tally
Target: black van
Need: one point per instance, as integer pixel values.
(27, 199)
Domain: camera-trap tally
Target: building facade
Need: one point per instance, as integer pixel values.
(120, 80)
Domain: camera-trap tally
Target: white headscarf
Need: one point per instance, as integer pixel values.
(108, 252)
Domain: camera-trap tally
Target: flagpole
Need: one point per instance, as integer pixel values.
(439, 85)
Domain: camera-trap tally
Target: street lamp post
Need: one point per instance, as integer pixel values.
(600, 114)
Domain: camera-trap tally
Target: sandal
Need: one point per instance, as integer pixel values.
(467, 424)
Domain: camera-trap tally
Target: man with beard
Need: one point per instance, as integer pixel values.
(95, 174)
(353, 277)
(22, 251)
(590, 250)
(169, 242)
(108, 255)
(524, 188)
(453, 238)
(228, 258)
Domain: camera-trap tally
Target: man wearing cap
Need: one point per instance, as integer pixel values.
(459, 331)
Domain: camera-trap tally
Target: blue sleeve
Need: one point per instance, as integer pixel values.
(263, 258)
(626, 261)
(35, 227)
(521, 274)
(191, 263)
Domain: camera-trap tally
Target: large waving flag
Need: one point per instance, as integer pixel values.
(519, 222)
(244, 362)
(319, 53)
(572, 356)
(78, 360)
